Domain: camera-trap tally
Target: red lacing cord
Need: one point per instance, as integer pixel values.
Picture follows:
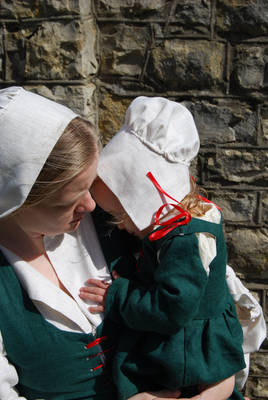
(96, 341)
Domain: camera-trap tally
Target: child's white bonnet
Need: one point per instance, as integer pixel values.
(30, 126)
(159, 136)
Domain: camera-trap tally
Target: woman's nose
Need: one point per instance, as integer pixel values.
(87, 204)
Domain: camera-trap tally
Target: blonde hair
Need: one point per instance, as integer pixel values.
(75, 149)
(193, 202)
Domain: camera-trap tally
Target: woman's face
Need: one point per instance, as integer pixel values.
(65, 210)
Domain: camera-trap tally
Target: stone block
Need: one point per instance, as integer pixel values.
(237, 166)
(224, 122)
(247, 251)
(191, 15)
(80, 99)
(249, 68)
(132, 8)
(237, 207)
(183, 65)
(21, 9)
(62, 50)
(246, 18)
(123, 49)
(123, 63)
(112, 111)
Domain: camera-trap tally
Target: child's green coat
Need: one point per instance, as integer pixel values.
(181, 327)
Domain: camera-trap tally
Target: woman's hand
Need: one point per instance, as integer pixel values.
(96, 292)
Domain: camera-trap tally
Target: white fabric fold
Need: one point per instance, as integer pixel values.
(30, 126)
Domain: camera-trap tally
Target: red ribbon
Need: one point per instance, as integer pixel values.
(96, 342)
(182, 218)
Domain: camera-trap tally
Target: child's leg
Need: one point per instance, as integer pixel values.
(159, 395)
(220, 390)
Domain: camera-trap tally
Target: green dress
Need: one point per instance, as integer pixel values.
(179, 326)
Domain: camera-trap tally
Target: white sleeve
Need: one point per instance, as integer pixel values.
(207, 249)
(8, 377)
(249, 313)
(242, 376)
(251, 318)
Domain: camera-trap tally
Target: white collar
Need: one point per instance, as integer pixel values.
(76, 257)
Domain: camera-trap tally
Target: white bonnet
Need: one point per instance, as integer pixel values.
(158, 136)
(30, 126)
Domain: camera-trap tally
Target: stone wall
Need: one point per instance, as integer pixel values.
(96, 56)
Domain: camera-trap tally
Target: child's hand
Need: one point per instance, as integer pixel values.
(96, 293)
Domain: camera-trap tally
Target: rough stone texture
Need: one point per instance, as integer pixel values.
(224, 122)
(258, 364)
(246, 18)
(193, 13)
(250, 67)
(264, 122)
(97, 56)
(58, 50)
(123, 50)
(248, 251)
(42, 9)
(243, 166)
(111, 116)
(237, 207)
(257, 388)
(133, 8)
(264, 205)
(181, 65)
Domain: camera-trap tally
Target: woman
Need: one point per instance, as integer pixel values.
(41, 319)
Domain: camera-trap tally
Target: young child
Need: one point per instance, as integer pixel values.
(181, 328)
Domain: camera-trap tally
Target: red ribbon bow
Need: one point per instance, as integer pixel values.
(182, 218)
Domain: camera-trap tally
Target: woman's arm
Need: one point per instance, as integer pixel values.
(8, 377)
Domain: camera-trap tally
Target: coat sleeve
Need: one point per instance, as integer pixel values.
(172, 299)
(8, 377)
